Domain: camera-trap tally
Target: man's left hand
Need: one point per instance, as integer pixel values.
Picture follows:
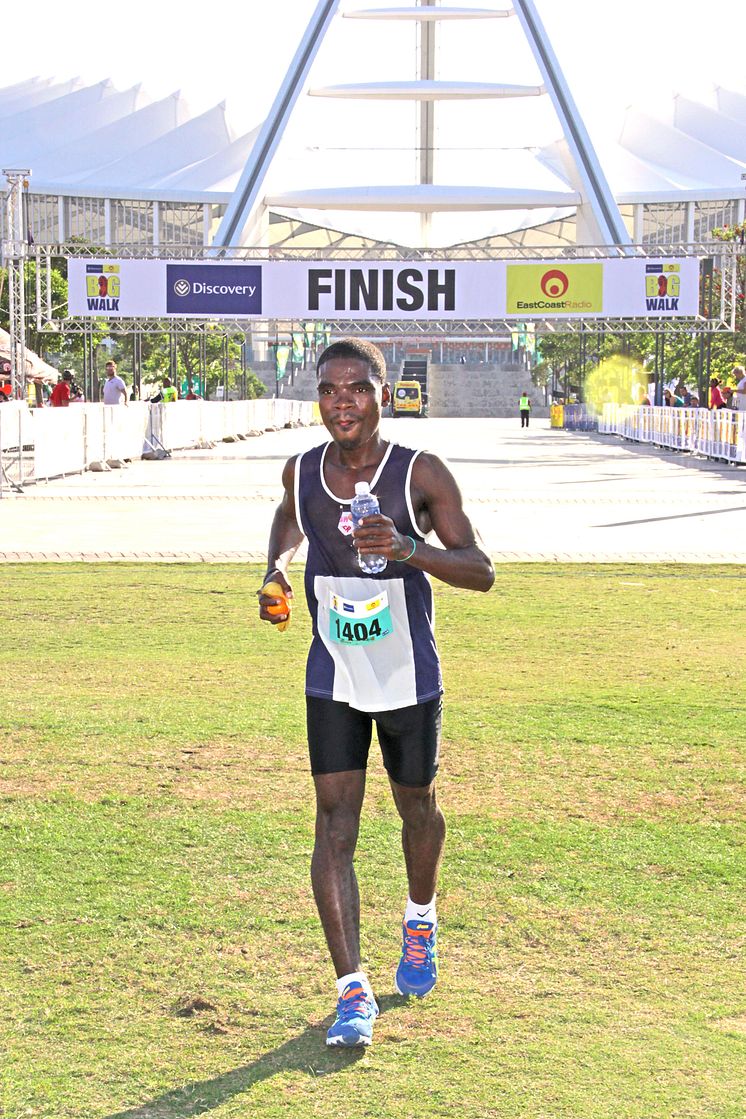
(377, 535)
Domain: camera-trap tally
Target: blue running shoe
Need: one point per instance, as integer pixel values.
(356, 1013)
(417, 972)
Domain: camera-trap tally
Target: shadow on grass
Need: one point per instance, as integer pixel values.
(305, 1053)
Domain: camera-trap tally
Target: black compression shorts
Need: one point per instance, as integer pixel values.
(339, 739)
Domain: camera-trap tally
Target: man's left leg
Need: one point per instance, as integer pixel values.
(423, 839)
(410, 743)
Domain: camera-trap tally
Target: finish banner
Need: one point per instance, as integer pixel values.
(374, 289)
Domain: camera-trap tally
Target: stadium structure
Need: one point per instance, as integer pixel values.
(116, 170)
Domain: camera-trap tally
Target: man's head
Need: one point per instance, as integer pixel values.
(167, 382)
(739, 372)
(110, 369)
(67, 374)
(356, 348)
(352, 390)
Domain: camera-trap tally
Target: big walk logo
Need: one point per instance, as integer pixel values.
(662, 287)
(102, 287)
(214, 289)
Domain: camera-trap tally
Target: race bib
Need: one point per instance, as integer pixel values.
(359, 623)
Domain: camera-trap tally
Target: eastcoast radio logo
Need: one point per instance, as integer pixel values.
(102, 287)
(214, 289)
(567, 289)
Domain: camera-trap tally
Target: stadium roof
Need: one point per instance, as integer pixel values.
(94, 140)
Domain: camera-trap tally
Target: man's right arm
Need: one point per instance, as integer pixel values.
(285, 538)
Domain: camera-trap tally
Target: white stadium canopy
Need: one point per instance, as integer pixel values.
(361, 174)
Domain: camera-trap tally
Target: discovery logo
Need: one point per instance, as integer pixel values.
(214, 289)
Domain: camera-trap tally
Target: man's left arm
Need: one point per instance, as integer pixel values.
(460, 562)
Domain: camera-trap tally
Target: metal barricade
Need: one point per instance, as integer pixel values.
(717, 434)
(579, 417)
(44, 443)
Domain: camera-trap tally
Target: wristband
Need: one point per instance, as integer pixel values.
(414, 549)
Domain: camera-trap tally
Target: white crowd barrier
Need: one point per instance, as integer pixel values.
(717, 434)
(38, 443)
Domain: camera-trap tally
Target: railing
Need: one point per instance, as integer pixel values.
(579, 417)
(717, 434)
(41, 443)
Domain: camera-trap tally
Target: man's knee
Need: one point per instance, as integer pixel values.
(339, 798)
(417, 807)
(337, 827)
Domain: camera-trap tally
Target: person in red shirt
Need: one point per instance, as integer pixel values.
(717, 400)
(60, 397)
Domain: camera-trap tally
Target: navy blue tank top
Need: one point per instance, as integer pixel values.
(373, 641)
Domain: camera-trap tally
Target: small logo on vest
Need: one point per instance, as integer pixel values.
(345, 523)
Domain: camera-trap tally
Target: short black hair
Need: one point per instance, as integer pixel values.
(356, 348)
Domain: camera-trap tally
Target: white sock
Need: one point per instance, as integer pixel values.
(416, 912)
(354, 977)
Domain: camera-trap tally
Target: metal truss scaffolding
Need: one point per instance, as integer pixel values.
(717, 307)
(14, 258)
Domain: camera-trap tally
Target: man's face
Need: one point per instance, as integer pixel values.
(109, 370)
(350, 401)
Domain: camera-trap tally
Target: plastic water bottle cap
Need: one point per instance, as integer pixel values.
(362, 487)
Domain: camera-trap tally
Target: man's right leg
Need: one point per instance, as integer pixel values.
(339, 740)
(339, 799)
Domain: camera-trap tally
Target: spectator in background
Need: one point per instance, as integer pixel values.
(717, 400)
(77, 395)
(728, 397)
(169, 391)
(61, 392)
(115, 390)
(671, 400)
(739, 394)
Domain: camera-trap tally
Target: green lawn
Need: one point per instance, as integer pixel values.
(160, 953)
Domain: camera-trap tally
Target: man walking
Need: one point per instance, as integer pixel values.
(115, 390)
(384, 668)
(524, 406)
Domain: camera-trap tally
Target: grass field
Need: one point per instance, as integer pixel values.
(161, 956)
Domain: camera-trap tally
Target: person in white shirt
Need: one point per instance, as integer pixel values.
(115, 390)
(740, 394)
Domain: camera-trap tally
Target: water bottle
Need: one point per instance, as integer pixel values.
(365, 504)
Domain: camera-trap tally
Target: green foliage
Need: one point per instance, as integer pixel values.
(736, 234)
(161, 952)
(561, 356)
(205, 362)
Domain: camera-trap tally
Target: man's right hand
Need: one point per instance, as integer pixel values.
(274, 599)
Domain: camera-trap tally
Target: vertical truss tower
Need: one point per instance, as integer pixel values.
(598, 219)
(14, 258)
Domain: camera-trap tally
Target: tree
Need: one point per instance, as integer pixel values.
(205, 361)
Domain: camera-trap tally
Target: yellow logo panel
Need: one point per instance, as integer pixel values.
(559, 289)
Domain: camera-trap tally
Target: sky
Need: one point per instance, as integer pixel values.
(612, 53)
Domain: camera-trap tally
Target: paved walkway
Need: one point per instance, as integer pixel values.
(534, 495)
